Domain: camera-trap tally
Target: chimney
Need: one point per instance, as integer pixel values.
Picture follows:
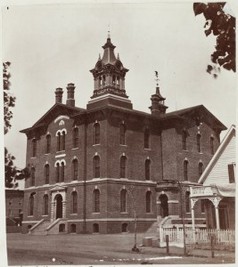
(70, 95)
(58, 95)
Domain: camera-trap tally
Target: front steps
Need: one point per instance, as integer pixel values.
(45, 227)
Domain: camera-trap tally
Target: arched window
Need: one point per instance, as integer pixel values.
(46, 205)
(47, 173)
(187, 202)
(199, 142)
(75, 137)
(96, 200)
(96, 166)
(33, 176)
(147, 169)
(58, 141)
(31, 205)
(57, 173)
(200, 168)
(123, 167)
(146, 138)
(34, 144)
(96, 133)
(62, 171)
(48, 143)
(185, 170)
(75, 169)
(122, 134)
(63, 140)
(123, 198)
(184, 139)
(212, 144)
(148, 201)
(74, 202)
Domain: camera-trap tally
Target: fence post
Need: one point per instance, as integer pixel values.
(212, 246)
(167, 244)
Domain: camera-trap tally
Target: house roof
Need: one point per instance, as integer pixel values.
(216, 156)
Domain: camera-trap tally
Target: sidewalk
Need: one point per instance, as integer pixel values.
(178, 251)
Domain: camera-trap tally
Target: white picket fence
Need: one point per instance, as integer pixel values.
(200, 236)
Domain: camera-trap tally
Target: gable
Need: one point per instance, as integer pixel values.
(57, 112)
(217, 170)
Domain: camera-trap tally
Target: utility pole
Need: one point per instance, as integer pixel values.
(182, 216)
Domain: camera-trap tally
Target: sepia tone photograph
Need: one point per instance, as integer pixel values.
(119, 132)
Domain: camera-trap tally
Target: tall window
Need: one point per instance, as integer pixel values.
(123, 198)
(62, 171)
(57, 173)
(199, 142)
(58, 142)
(33, 176)
(74, 202)
(122, 134)
(212, 144)
(96, 133)
(123, 167)
(47, 173)
(184, 139)
(187, 202)
(96, 166)
(148, 201)
(185, 170)
(147, 169)
(75, 169)
(96, 198)
(34, 147)
(46, 205)
(200, 168)
(146, 138)
(231, 173)
(203, 205)
(75, 137)
(63, 141)
(48, 143)
(31, 205)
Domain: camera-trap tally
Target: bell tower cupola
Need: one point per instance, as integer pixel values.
(109, 80)
(157, 100)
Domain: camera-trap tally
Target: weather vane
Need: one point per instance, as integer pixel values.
(108, 32)
(157, 78)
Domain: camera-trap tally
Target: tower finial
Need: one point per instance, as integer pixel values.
(156, 78)
(108, 32)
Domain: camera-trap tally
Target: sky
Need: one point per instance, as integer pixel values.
(51, 45)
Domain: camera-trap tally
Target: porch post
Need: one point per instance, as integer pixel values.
(216, 201)
(52, 212)
(193, 201)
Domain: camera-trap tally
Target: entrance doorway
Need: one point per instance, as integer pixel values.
(59, 206)
(164, 208)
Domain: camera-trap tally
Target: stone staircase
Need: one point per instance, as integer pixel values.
(40, 228)
(45, 227)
